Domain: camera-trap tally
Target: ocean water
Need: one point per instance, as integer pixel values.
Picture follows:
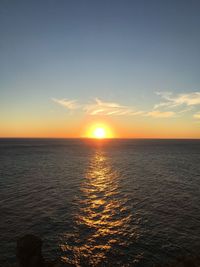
(101, 202)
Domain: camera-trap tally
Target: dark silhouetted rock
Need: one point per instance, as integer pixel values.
(29, 251)
(186, 262)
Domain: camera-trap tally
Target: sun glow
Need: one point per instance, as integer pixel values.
(99, 131)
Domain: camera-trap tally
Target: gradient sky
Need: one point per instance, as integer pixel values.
(66, 64)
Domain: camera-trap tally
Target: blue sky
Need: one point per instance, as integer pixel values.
(116, 51)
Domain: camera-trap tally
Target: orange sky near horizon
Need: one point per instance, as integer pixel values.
(117, 129)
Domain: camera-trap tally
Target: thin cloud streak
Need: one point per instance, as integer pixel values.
(161, 114)
(189, 99)
(172, 106)
(100, 107)
(197, 115)
(69, 104)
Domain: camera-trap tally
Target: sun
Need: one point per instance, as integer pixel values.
(99, 133)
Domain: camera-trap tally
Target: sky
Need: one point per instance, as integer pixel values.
(133, 65)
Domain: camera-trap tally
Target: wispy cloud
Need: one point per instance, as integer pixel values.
(185, 110)
(99, 107)
(69, 104)
(173, 101)
(171, 105)
(197, 115)
(161, 114)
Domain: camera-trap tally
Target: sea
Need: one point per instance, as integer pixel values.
(117, 202)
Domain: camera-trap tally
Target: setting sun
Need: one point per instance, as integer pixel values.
(99, 133)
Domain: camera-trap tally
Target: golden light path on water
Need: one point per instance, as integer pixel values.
(102, 225)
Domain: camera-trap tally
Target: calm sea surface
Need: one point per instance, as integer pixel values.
(108, 203)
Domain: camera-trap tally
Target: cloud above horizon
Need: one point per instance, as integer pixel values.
(173, 101)
(173, 105)
(197, 115)
(182, 103)
(98, 107)
(69, 104)
(161, 114)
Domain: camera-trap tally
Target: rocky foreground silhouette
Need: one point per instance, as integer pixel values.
(29, 254)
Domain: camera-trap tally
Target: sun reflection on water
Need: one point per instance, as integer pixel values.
(102, 225)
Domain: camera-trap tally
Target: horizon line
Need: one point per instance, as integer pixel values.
(113, 138)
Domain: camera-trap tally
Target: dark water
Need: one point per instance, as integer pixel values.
(108, 203)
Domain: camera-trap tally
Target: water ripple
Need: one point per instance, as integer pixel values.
(103, 221)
